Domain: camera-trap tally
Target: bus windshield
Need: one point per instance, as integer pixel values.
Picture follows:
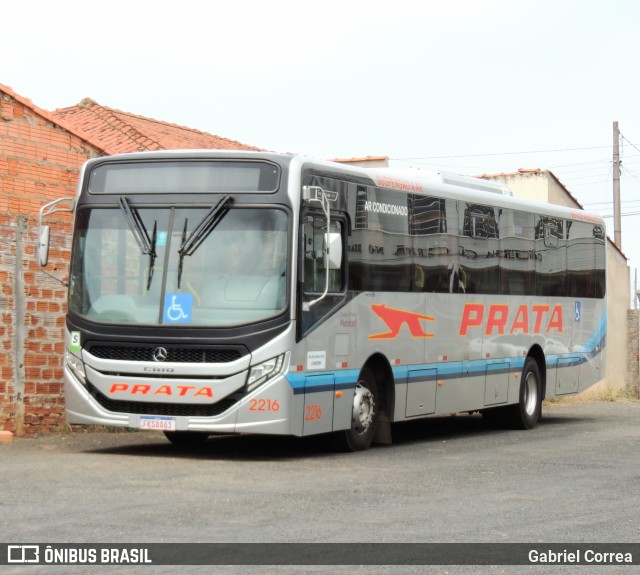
(148, 266)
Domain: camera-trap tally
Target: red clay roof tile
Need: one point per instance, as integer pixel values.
(120, 131)
(51, 117)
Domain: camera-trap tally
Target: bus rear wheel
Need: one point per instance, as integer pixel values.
(526, 413)
(365, 415)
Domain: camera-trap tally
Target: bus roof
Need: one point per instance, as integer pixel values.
(447, 185)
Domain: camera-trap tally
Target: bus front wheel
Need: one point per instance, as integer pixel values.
(365, 414)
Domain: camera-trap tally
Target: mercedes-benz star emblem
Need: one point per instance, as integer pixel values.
(160, 354)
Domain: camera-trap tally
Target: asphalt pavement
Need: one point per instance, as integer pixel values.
(575, 478)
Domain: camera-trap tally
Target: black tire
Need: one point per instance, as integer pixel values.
(186, 438)
(526, 413)
(366, 414)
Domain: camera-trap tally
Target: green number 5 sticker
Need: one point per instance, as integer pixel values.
(75, 341)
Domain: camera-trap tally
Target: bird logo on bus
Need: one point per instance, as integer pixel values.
(395, 318)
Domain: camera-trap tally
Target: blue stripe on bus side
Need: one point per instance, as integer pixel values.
(596, 341)
(314, 382)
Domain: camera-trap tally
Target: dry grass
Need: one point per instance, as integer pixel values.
(597, 393)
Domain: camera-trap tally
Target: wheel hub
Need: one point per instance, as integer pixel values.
(530, 393)
(363, 405)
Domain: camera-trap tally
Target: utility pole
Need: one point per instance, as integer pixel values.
(617, 234)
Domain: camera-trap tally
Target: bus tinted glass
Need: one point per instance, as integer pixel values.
(447, 246)
(184, 177)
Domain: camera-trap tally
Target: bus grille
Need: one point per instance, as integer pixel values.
(174, 409)
(177, 354)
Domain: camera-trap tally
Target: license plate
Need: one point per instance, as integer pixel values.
(160, 423)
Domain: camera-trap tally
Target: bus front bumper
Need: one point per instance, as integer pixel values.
(266, 410)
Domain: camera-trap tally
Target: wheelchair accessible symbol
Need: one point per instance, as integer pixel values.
(177, 307)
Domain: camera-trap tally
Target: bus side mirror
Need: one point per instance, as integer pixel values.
(43, 246)
(333, 248)
(44, 232)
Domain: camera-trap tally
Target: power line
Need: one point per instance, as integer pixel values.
(632, 174)
(623, 215)
(630, 143)
(587, 166)
(608, 203)
(573, 185)
(501, 153)
(603, 161)
(607, 181)
(557, 169)
(583, 176)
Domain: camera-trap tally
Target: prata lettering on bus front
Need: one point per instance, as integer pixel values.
(162, 390)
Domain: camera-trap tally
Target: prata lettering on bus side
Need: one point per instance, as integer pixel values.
(537, 318)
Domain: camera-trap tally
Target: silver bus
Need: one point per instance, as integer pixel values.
(218, 292)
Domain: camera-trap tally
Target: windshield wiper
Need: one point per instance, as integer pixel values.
(136, 225)
(152, 255)
(184, 239)
(201, 232)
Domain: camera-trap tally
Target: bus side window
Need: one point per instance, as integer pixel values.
(551, 256)
(581, 259)
(314, 273)
(433, 227)
(517, 256)
(478, 249)
(600, 263)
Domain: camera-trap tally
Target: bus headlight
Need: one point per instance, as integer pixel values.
(264, 371)
(76, 366)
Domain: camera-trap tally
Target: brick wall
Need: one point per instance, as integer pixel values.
(39, 162)
(32, 333)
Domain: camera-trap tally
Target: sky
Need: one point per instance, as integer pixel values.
(465, 86)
